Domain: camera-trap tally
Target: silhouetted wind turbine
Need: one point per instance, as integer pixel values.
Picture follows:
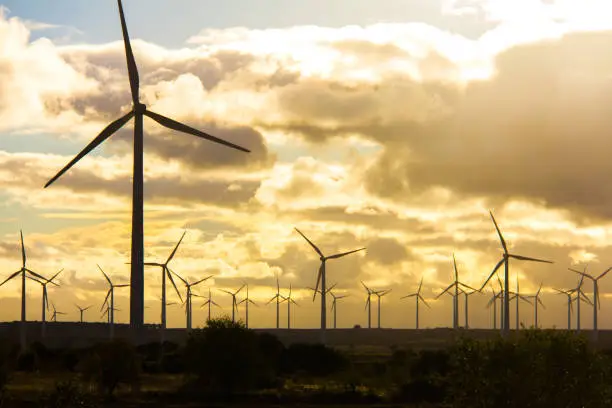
(466, 309)
(276, 297)
(24, 271)
(55, 313)
(417, 296)
(289, 301)
(107, 312)
(596, 302)
(246, 302)
(209, 302)
(518, 297)
(138, 111)
(187, 302)
(111, 294)
(368, 306)
(379, 294)
(45, 299)
(322, 280)
(505, 261)
(456, 285)
(334, 306)
(568, 293)
(234, 302)
(537, 300)
(580, 296)
(166, 272)
(493, 302)
(82, 310)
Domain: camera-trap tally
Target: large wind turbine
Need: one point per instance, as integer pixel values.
(234, 302)
(246, 302)
(596, 302)
(24, 272)
(139, 110)
(82, 310)
(111, 305)
(417, 295)
(379, 294)
(505, 261)
(368, 306)
(289, 301)
(322, 281)
(45, 299)
(209, 302)
(166, 272)
(456, 285)
(334, 306)
(187, 302)
(276, 297)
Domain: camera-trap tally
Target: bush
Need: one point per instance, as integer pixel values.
(68, 394)
(110, 365)
(538, 369)
(313, 360)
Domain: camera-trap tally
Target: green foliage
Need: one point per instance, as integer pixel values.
(538, 369)
(110, 365)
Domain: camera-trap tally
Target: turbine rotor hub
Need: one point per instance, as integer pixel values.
(140, 108)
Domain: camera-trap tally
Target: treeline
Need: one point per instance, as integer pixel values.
(227, 362)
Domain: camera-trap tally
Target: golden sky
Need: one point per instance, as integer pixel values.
(394, 136)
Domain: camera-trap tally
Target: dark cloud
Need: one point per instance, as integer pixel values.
(387, 251)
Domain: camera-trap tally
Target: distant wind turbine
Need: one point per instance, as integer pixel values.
(276, 297)
(321, 278)
(234, 302)
(24, 272)
(418, 297)
(45, 299)
(493, 303)
(246, 302)
(368, 306)
(568, 293)
(334, 306)
(537, 300)
(187, 302)
(55, 313)
(289, 301)
(518, 297)
(379, 294)
(139, 110)
(505, 261)
(579, 297)
(596, 302)
(466, 309)
(111, 306)
(209, 302)
(457, 285)
(82, 310)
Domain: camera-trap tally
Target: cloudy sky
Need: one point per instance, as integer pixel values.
(394, 125)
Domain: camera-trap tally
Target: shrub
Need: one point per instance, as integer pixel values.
(313, 360)
(68, 394)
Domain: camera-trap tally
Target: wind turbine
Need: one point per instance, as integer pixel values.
(82, 310)
(537, 300)
(24, 272)
(334, 306)
(111, 308)
(321, 279)
(466, 297)
(596, 302)
(139, 110)
(187, 302)
(246, 302)
(289, 301)
(166, 272)
(417, 296)
(45, 299)
(209, 302)
(379, 294)
(456, 285)
(493, 302)
(505, 261)
(276, 297)
(518, 297)
(55, 313)
(234, 303)
(580, 296)
(568, 293)
(368, 306)
(107, 312)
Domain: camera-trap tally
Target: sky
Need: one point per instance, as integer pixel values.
(394, 125)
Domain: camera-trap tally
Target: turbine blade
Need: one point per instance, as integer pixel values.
(129, 55)
(420, 285)
(105, 275)
(23, 253)
(178, 276)
(604, 273)
(201, 280)
(345, 253)
(445, 290)
(455, 267)
(319, 275)
(409, 296)
(106, 298)
(499, 264)
(311, 243)
(36, 275)
(242, 287)
(124, 285)
(169, 275)
(526, 258)
(424, 301)
(176, 247)
(105, 134)
(55, 276)
(174, 125)
(501, 237)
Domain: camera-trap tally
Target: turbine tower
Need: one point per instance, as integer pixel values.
(45, 299)
(417, 296)
(596, 301)
(139, 110)
(505, 261)
(368, 306)
(24, 272)
(379, 294)
(234, 303)
(187, 302)
(246, 302)
(111, 305)
(321, 279)
(82, 310)
(276, 297)
(166, 273)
